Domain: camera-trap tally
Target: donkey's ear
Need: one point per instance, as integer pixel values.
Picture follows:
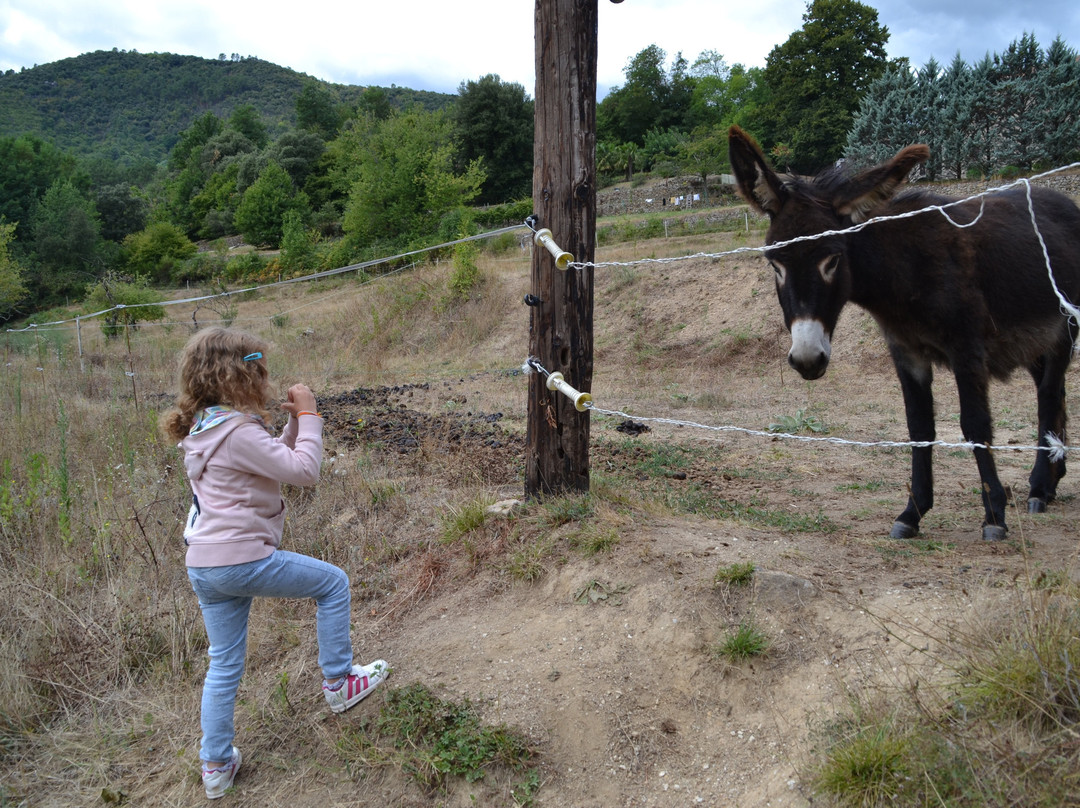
(758, 184)
(868, 190)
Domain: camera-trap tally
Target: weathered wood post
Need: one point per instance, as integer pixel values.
(564, 201)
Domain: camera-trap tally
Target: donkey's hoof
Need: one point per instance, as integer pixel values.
(902, 530)
(995, 532)
(1036, 505)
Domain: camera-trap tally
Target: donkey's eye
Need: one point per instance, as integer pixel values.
(780, 272)
(828, 267)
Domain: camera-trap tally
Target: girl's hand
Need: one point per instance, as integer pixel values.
(300, 399)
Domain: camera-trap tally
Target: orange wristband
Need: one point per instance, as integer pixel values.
(305, 412)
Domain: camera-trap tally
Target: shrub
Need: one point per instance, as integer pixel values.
(503, 215)
(244, 267)
(156, 251)
(132, 293)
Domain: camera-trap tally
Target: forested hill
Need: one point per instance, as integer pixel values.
(128, 107)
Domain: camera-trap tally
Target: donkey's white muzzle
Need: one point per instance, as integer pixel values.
(810, 348)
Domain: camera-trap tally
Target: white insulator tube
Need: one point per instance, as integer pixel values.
(562, 258)
(556, 381)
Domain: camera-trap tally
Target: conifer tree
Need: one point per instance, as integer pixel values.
(983, 116)
(1018, 74)
(957, 90)
(887, 118)
(1058, 108)
(929, 103)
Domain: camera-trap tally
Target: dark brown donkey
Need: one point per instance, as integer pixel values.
(978, 300)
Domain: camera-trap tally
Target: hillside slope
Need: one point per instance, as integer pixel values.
(125, 105)
(593, 630)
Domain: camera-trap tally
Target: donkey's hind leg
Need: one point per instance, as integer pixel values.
(1049, 375)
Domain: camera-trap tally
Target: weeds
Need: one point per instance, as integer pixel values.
(597, 592)
(737, 574)
(800, 422)
(745, 642)
(999, 729)
(433, 740)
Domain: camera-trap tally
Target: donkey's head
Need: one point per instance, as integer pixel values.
(813, 278)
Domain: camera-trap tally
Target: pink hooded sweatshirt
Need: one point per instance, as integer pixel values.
(236, 469)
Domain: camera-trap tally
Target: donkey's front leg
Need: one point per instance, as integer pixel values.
(1049, 375)
(973, 388)
(915, 382)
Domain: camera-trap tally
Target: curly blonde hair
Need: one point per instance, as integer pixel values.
(213, 372)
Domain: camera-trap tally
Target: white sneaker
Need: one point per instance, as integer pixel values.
(218, 781)
(358, 684)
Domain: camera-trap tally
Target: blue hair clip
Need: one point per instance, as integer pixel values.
(252, 356)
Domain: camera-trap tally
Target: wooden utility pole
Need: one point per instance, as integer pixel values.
(564, 202)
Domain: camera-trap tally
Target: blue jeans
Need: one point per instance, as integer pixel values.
(225, 595)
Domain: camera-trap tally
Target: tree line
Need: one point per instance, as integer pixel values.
(344, 177)
(830, 92)
(1010, 113)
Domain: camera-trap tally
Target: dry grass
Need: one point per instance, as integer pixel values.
(102, 648)
(101, 641)
(990, 719)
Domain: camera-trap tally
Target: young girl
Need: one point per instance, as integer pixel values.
(234, 527)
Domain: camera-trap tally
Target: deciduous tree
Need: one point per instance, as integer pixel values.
(493, 122)
(261, 211)
(651, 98)
(12, 287)
(133, 294)
(403, 179)
(155, 251)
(817, 76)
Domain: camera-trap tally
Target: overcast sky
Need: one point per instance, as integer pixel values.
(437, 44)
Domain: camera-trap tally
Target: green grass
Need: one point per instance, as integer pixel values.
(459, 521)
(593, 539)
(745, 642)
(434, 740)
(565, 509)
(526, 563)
(913, 548)
(737, 574)
(697, 500)
(869, 485)
(867, 765)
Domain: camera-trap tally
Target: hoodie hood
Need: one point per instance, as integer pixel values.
(212, 426)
